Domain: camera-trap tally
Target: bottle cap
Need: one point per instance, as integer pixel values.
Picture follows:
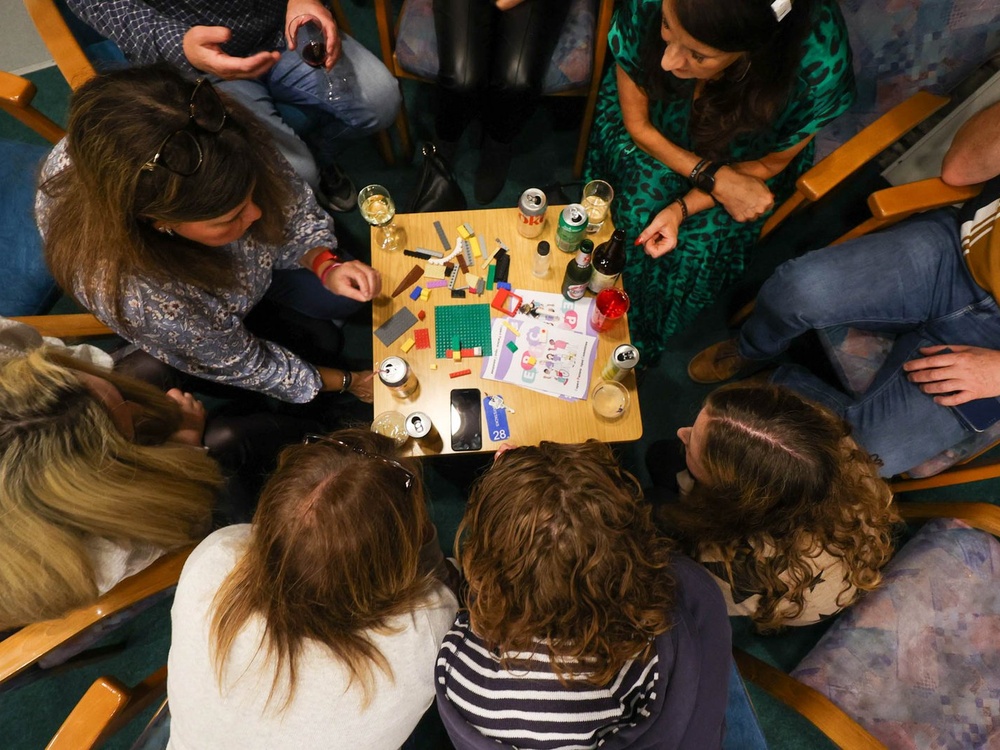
(543, 248)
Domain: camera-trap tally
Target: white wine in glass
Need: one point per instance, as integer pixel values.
(378, 209)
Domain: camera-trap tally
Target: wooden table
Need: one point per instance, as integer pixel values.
(537, 416)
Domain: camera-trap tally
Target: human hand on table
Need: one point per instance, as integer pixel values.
(203, 49)
(743, 196)
(660, 237)
(355, 280)
(964, 374)
(192, 426)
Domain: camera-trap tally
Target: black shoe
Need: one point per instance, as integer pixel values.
(491, 174)
(336, 191)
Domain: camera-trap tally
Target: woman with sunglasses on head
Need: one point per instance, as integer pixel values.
(318, 624)
(169, 215)
(702, 126)
(583, 630)
(779, 503)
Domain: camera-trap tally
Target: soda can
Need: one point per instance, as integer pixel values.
(572, 225)
(531, 213)
(623, 359)
(418, 425)
(396, 374)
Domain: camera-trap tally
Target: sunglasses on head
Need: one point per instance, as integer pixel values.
(313, 439)
(180, 151)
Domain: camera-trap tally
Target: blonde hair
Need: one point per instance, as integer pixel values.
(334, 554)
(67, 474)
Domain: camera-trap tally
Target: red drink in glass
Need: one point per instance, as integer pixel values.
(611, 304)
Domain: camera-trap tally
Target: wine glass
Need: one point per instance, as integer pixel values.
(311, 44)
(378, 210)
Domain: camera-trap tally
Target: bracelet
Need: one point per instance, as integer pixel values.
(697, 168)
(326, 272)
(684, 208)
(348, 379)
(322, 258)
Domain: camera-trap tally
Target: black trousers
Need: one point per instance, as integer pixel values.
(493, 63)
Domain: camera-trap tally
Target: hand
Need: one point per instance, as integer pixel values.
(192, 427)
(507, 4)
(361, 386)
(203, 49)
(299, 12)
(503, 448)
(355, 280)
(744, 197)
(963, 374)
(660, 237)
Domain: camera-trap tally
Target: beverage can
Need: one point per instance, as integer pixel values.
(622, 359)
(418, 425)
(572, 225)
(531, 213)
(396, 374)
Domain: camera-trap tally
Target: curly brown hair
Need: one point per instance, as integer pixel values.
(785, 476)
(558, 546)
(99, 231)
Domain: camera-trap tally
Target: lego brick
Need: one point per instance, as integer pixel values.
(512, 346)
(477, 251)
(395, 326)
(443, 236)
(471, 280)
(434, 365)
(422, 337)
(469, 324)
(411, 278)
(470, 352)
(464, 231)
(503, 267)
(477, 351)
(505, 285)
(480, 286)
(490, 277)
(456, 355)
(425, 294)
(436, 283)
(421, 315)
(408, 344)
(435, 272)
(428, 251)
(459, 373)
(458, 294)
(416, 293)
(463, 264)
(510, 328)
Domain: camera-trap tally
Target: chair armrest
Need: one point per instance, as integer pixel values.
(386, 31)
(29, 644)
(923, 195)
(866, 145)
(983, 516)
(59, 40)
(107, 706)
(79, 325)
(829, 718)
(16, 95)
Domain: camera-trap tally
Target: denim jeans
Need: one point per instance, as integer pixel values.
(371, 105)
(911, 280)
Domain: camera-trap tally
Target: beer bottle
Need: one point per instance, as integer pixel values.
(574, 284)
(608, 263)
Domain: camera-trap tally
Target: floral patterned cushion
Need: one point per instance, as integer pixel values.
(917, 662)
(416, 45)
(857, 355)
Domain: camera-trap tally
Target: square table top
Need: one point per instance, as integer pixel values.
(536, 416)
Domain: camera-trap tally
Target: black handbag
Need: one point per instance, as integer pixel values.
(437, 189)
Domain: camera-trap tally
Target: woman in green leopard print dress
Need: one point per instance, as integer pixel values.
(734, 89)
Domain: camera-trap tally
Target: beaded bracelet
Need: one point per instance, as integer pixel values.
(684, 208)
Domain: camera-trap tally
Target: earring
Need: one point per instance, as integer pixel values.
(745, 71)
(165, 230)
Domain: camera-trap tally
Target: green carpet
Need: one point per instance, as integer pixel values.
(29, 715)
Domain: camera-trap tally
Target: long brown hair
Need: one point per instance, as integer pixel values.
(334, 555)
(67, 473)
(785, 475)
(98, 229)
(750, 94)
(557, 545)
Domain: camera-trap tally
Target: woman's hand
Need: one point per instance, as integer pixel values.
(744, 196)
(362, 386)
(660, 237)
(355, 280)
(192, 427)
(963, 374)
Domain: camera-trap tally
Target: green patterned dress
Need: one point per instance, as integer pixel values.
(712, 249)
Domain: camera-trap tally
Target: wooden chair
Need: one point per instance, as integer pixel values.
(927, 633)
(414, 28)
(77, 62)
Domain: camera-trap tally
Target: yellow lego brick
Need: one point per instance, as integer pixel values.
(425, 294)
(456, 355)
(463, 231)
(434, 365)
(511, 328)
(476, 250)
(408, 344)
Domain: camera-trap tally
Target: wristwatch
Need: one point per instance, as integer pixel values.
(704, 179)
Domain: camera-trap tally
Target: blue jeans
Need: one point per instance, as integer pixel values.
(371, 105)
(301, 290)
(911, 280)
(743, 730)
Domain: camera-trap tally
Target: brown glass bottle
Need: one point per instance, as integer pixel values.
(608, 262)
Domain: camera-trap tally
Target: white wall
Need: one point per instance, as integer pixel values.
(21, 50)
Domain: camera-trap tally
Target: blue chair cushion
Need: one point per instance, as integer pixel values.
(917, 661)
(28, 288)
(572, 61)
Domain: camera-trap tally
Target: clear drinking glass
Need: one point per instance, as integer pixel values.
(311, 44)
(378, 210)
(597, 197)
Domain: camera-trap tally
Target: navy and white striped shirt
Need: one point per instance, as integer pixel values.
(528, 707)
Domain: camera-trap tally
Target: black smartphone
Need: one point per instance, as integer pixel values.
(466, 419)
(979, 414)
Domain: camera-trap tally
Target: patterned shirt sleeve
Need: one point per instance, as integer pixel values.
(143, 33)
(310, 226)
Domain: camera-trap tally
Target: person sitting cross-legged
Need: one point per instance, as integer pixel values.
(933, 280)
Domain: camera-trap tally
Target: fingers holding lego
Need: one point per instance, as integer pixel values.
(660, 237)
(203, 49)
(956, 374)
(355, 280)
(743, 196)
